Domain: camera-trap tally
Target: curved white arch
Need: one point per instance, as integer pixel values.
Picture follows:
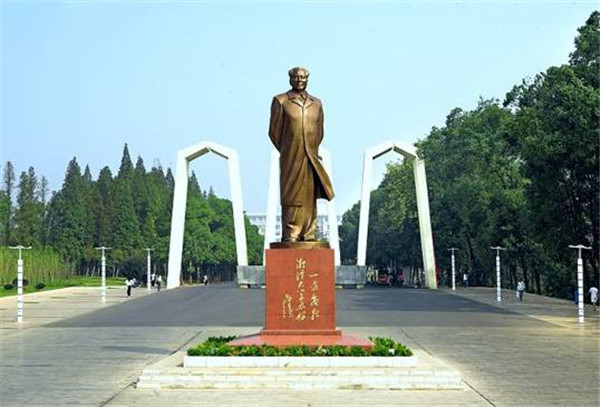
(184, 157)
(334, 240)
(409, 152)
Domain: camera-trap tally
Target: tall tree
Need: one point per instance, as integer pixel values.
(28, 217)
(103, 220)
(140, 191)
(557, 130)
(524, 176)
(126, 234)
(6, 208)
(43, 195)
(70, 218)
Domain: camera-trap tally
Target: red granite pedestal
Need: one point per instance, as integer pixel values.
(300, 301)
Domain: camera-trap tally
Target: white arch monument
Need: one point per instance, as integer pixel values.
(334, 240)
(409, 152)
(184, 157)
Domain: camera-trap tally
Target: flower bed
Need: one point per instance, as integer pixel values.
(217, 346)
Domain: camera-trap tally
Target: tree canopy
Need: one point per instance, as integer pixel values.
(128, 212)
(522, 174)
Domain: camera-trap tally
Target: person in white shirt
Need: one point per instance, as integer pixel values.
(520, 289)
(465, 280)
(158, 282)
(128, 286)
(594, 297)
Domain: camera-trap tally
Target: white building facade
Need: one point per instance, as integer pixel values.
(260, 221)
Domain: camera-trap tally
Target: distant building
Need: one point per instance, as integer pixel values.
(260, 221)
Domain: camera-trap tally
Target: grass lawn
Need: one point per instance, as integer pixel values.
(79, 281)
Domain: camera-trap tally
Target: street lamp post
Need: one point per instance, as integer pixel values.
(580, 298)
(498, 287)
(148, 267)
(453, 249)
(103, 249)
(20, 248)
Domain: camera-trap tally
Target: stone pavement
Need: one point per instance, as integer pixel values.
(55, 305)
(554, 310)
(44, 366)
(523, 355)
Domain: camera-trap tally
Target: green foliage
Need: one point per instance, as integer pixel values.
(389, 347)
(77, 281)
(39, 265)
(6, 209)
(523, 175)
(68, 216)
(134, 266)
(28, 215)
(40, 286)
(348, 231)
(129, 212)
(125, 224)
(217, 346)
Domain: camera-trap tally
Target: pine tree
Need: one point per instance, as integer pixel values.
(126, 235)
(140, 191)
(158, 222)
(103, 189)
(87, 176)
(70, 220)
(42, 194)
(126, 168)
(28, 214)
(6, 208)
(4, 216)
(89, 206)
(93, 211)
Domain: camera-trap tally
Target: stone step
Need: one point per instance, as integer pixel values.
(358, 381)
(295, 372)
(430, 375)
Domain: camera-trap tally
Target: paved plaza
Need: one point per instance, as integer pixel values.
(72, 350)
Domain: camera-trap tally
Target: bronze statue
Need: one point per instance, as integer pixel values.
(296, 130)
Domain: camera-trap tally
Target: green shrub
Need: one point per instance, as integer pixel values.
(8, 286)
(389, 347)
(15, 282)
(40, 265)
(217, 346)
(40, 286)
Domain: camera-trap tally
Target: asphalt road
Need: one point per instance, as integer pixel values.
(227, 305)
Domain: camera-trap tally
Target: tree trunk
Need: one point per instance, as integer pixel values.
(538, 285)
(471, 260)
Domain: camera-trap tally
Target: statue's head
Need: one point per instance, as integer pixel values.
(298, 78)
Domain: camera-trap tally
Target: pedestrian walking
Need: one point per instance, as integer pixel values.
(465, 280)
(153, 279)
(128, 286)
(594, 297)
(520, 289)
(205, 279)
(158, 282)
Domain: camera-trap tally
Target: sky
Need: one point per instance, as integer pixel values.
(81, 79)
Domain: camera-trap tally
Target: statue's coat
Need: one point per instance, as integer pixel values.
(296, 130)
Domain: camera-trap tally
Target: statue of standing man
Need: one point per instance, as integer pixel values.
(296, 130)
